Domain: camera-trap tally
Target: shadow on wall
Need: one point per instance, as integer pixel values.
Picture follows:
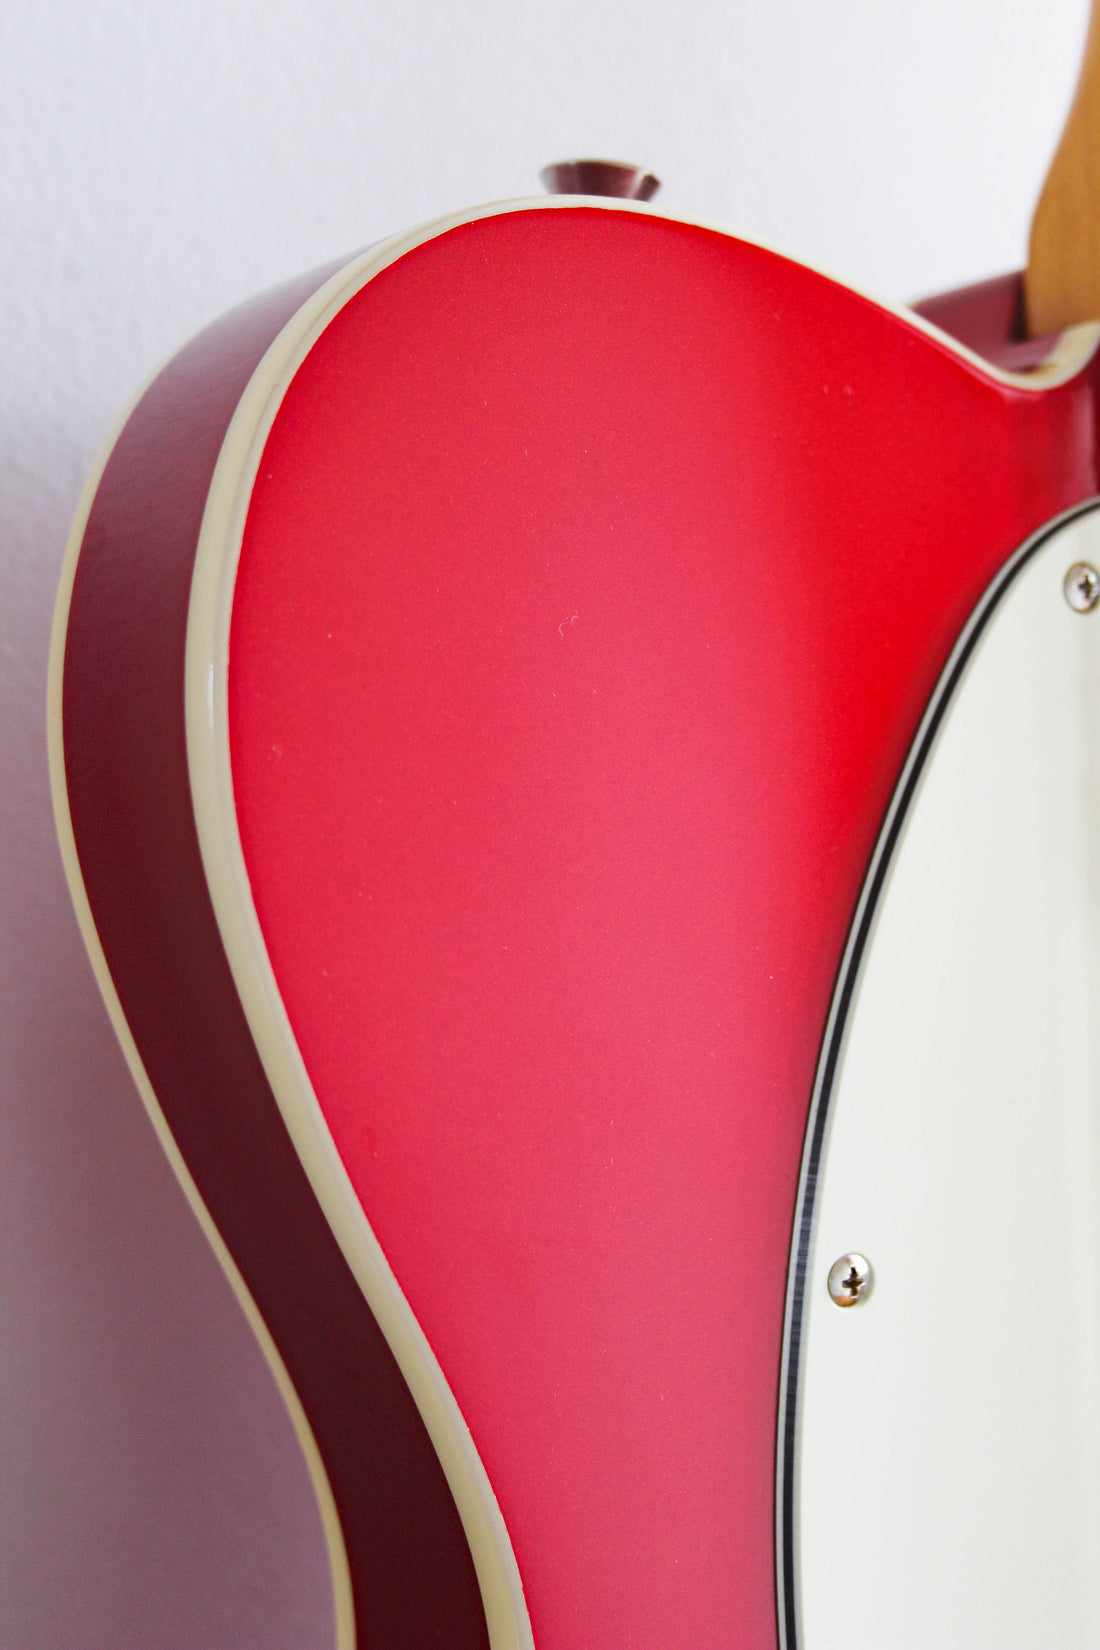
(152, 1494)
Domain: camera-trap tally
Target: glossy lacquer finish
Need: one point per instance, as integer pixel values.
(595, 577)
(594, 573)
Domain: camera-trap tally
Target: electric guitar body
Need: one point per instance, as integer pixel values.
(493, 682)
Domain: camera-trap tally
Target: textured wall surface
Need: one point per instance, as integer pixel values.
(159, 163)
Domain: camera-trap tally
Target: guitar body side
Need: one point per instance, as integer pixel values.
(400, 1563)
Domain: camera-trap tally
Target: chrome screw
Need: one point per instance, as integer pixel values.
(1082, 587)
(851, 1279)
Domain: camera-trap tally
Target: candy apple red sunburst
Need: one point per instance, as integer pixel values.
(482, 673)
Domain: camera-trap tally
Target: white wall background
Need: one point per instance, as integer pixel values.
(159, 162)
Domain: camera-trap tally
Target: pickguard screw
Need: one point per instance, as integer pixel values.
(851, 1279)
(1082, 587)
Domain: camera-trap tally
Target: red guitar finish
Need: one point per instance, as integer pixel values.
(594, 572)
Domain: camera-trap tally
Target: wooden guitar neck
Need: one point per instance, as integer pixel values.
(1062, 280)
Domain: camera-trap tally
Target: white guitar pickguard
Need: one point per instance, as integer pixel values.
(947, 1459)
